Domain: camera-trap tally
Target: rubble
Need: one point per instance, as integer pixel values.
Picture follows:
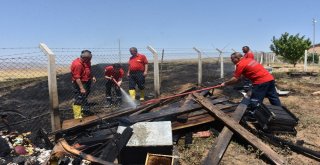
(18, 149)
(134, 135)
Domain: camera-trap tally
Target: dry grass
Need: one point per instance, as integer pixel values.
(13, 74)
(196, 151)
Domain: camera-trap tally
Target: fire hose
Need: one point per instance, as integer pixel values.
(114, 80)
(182, 94)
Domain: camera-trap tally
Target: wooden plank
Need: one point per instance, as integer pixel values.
(221, 144)
(192, 121)
(170, 111)
(284, 143)
(236, 127)
(72, 122)
(70, 149)
(94, 140)
(112, 150)
(196, 118)
(184, 116)
(161, 104)
(94, 120)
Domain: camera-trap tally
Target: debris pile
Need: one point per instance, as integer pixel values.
(18, 148)
(149, 132)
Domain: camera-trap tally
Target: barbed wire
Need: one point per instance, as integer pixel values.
(20, 54)
(13, 48)
(21, 68)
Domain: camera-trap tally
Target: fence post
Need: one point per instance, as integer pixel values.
(305, 60)
(261, 58)
(221, 63)
(155, 71)
(52, 85)
(199, 66)
(273, 57)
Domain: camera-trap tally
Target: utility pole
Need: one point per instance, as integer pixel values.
(314, 38)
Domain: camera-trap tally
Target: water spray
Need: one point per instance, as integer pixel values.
(125, 95)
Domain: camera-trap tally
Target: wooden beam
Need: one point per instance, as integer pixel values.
(187, 101)
(236, 127)
(85, 156)
(284, 143)
(193, 121)
(170, 111)
(112, 150)
(199, 117)
(221, 144)
(160, 104)
(87, 122)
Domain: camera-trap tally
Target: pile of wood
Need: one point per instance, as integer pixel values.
(300, 74)
(96, 139)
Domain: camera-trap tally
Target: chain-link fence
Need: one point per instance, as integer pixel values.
(24, 79)
(24, 89)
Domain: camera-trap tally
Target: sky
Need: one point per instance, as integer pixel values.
(205, 24)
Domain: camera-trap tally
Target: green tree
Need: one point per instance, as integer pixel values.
(290, 47)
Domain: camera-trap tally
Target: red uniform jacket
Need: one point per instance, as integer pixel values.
(252, 70)
(80, 70)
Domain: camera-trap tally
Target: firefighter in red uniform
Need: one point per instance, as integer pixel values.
(114, 75)
(247, 52)
(263, 82)
(137, 71)
(81, 80)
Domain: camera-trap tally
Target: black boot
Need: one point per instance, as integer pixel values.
(109, 102)
(252, 108)
(86, 110)
(118, 101)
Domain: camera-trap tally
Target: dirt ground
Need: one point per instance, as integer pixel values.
(300, 101)
(32, 100)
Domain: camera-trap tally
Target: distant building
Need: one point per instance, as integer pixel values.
(316, 49)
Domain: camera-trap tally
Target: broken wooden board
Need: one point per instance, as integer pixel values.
(113, 149)
(66, 124)
(188, 100)
(74, 124)
(236, 127)
(199, 117)
(193, 121)
(277, 141)
(62, 147)
(160, 103)
(171, 111)
(221, 144)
